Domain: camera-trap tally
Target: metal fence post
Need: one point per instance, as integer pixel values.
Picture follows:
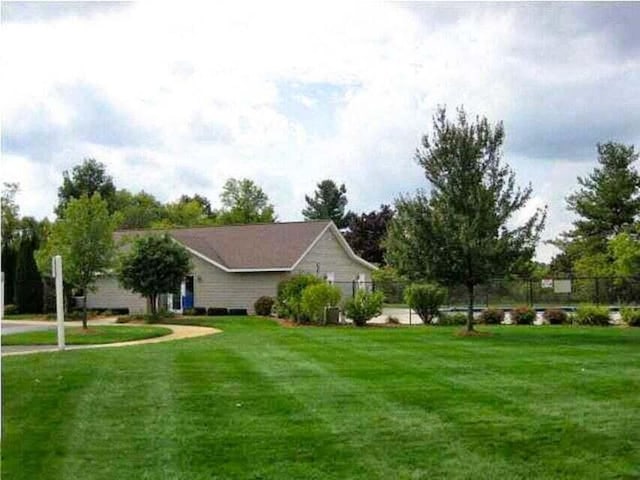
(353, 288)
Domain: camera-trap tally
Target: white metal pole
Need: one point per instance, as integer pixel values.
(57, 270)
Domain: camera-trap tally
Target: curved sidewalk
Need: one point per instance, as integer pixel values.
(179, 332)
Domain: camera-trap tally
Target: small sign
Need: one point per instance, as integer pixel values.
(562, 286)
(546, 283)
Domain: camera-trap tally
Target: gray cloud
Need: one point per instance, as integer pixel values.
(27, 12)
(95, 120)
(566, 121)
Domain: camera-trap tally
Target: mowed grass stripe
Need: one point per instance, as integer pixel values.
(125, 415)
(39, 398)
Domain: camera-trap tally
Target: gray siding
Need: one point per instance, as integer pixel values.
(216, 288)
(328, 255)
(110, 295)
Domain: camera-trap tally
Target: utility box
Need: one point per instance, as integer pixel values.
(331, 315)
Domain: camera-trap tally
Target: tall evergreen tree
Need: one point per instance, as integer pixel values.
(460, 234)
(606, 204)
(10, 213)
(328, 203)
(608, 200)
(28, 282)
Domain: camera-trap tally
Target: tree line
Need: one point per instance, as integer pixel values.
(90, 208)
(460, 232)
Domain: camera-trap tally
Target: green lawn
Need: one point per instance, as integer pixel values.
(93, 335)
(261, 401)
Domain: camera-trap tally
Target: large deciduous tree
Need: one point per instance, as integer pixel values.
(328, 203)
(139, 210)
(461, 233)
(154, 265)
(83, 236)
(366, 232)
(244, 202)
(86, 179)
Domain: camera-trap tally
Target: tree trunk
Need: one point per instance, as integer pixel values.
(153, 304)
(470, 310)
(84, 311)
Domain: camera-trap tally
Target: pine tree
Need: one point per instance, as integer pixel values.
(328, 203)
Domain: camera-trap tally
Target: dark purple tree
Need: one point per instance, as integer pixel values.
(366, 232)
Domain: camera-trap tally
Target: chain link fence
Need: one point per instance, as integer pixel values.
(542, 293)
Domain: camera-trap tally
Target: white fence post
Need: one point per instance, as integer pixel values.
(57, 274)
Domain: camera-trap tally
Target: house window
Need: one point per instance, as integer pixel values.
(331, 277)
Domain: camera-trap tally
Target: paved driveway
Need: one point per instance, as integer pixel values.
(11, 326)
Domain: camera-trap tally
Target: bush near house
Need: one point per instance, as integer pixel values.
(364, 306)
(555, 316)
(263, 306)
(523, 315)
(491, 316)
(217, 311)
(10, 309)
(592, 315)
(315, 298)
(631, 316)
(195, 312)
(425, 299)
(289, 299)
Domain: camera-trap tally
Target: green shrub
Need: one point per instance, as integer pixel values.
(631, 316)
(263, 306)
(315, 298)
(491, 316)
(555, 316)
(453, 318)
(10, 309)
(523, 315)
(592, 315)
(217, 311)
(364, 306)
(289, 299)
(189, 312)
(425, 299)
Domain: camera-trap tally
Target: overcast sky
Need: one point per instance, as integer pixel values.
(177, 97)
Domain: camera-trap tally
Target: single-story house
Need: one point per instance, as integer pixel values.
(235, 265)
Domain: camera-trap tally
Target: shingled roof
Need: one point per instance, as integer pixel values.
(253, 247)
